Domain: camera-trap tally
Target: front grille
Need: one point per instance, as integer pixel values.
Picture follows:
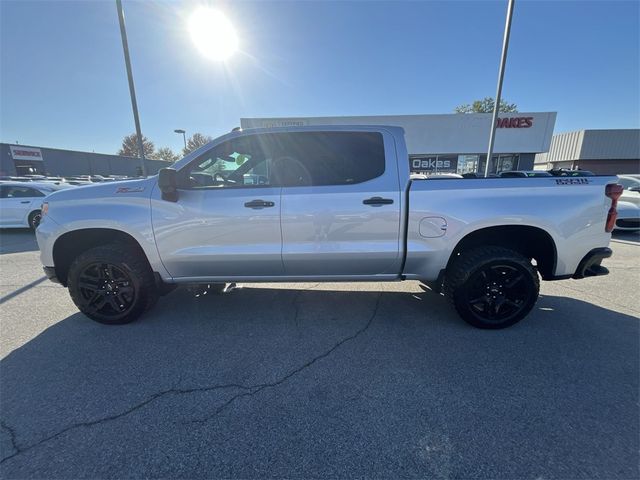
(628, 222)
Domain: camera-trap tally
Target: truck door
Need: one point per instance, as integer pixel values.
(226, 221)
(340, 203)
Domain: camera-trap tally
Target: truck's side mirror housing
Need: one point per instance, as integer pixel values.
(168, 185)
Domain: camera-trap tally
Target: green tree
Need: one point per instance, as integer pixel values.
(166, 154)
(486, 106)
(130, 146)
(196, 141)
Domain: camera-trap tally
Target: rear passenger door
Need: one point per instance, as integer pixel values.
(340, 204)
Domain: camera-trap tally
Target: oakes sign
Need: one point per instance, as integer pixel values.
(514, 122)
(433, 164)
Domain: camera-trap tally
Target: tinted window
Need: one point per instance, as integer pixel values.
(22, 192)
(627, 183)
(241, 162)
(326, 158)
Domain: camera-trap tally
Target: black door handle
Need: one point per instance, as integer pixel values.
(259, 204)
(26, 201)
(377, 201)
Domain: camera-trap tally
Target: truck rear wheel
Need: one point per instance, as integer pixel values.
(492, 287)
(112, 284)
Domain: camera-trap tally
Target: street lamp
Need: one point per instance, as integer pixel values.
(132, 90)
(496, 106)
(184, 137)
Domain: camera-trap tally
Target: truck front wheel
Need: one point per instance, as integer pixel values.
(492, 287)
(112, 284)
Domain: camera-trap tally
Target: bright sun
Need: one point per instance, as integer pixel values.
(213, 33)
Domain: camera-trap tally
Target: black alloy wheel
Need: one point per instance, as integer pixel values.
(34, 219)
(106, 290)
(497, 293)
(112, 284)
(492, 287)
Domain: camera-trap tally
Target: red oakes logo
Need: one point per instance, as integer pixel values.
(27, 153)
(514, 122)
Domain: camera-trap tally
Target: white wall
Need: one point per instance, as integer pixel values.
(446, 133)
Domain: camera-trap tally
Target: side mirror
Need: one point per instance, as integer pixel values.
(167, 184)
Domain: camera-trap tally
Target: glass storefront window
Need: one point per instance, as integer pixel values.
(468, 163)
(462, 164)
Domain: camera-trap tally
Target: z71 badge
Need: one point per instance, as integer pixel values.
(573, 181)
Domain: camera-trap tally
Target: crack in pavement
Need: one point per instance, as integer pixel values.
(249, 391)
(295, 304)
(12, 436)
(73, 426)
(258, 388)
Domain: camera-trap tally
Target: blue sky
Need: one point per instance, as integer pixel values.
(63, 83)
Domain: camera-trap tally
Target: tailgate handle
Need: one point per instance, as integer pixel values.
(259, 204)
(377, 201)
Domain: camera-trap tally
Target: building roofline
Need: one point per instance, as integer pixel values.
(67, 150)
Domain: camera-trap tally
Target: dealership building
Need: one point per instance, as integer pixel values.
(441, 143)
(604, 152)
(451, 143)
(16, 160)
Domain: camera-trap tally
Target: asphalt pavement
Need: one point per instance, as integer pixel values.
(319, 380)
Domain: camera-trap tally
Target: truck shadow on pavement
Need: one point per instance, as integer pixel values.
(17, 240)
(314, 383)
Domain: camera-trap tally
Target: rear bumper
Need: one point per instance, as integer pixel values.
(50, 272)
(590, 265)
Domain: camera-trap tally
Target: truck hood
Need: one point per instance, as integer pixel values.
(125, 188)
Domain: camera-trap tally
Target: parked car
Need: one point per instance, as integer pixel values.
(524, 174)
(631, 184)
(565, 172)
(338, 205)
(20, 203)
(628, 216)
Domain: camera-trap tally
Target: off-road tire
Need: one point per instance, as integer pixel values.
(465, 277)
(134, 272)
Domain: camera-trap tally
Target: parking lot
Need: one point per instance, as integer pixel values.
(327, 380)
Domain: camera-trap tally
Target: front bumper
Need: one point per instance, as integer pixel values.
(590, 265)
(50, 272)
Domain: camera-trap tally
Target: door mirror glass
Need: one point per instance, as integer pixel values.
(167, 183)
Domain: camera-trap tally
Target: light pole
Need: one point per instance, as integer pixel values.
(496, 106)
(132, 90)
(184, 136)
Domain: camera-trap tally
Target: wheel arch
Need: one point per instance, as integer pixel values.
(532, 242)
(69, 245)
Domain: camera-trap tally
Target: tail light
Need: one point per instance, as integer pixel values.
(44, 209)
(612, 191)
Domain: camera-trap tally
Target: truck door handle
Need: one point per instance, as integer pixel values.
(259, 204)
(377, 201)
(25, 201)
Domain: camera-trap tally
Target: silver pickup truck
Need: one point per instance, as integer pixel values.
(323, 204)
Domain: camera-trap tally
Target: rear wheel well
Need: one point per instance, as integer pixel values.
(67, 248)
(532, 242)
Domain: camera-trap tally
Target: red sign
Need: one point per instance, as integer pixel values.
(514, 122)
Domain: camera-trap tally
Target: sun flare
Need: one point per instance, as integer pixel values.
(213, 33)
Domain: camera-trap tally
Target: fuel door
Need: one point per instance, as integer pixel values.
(433, 227)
